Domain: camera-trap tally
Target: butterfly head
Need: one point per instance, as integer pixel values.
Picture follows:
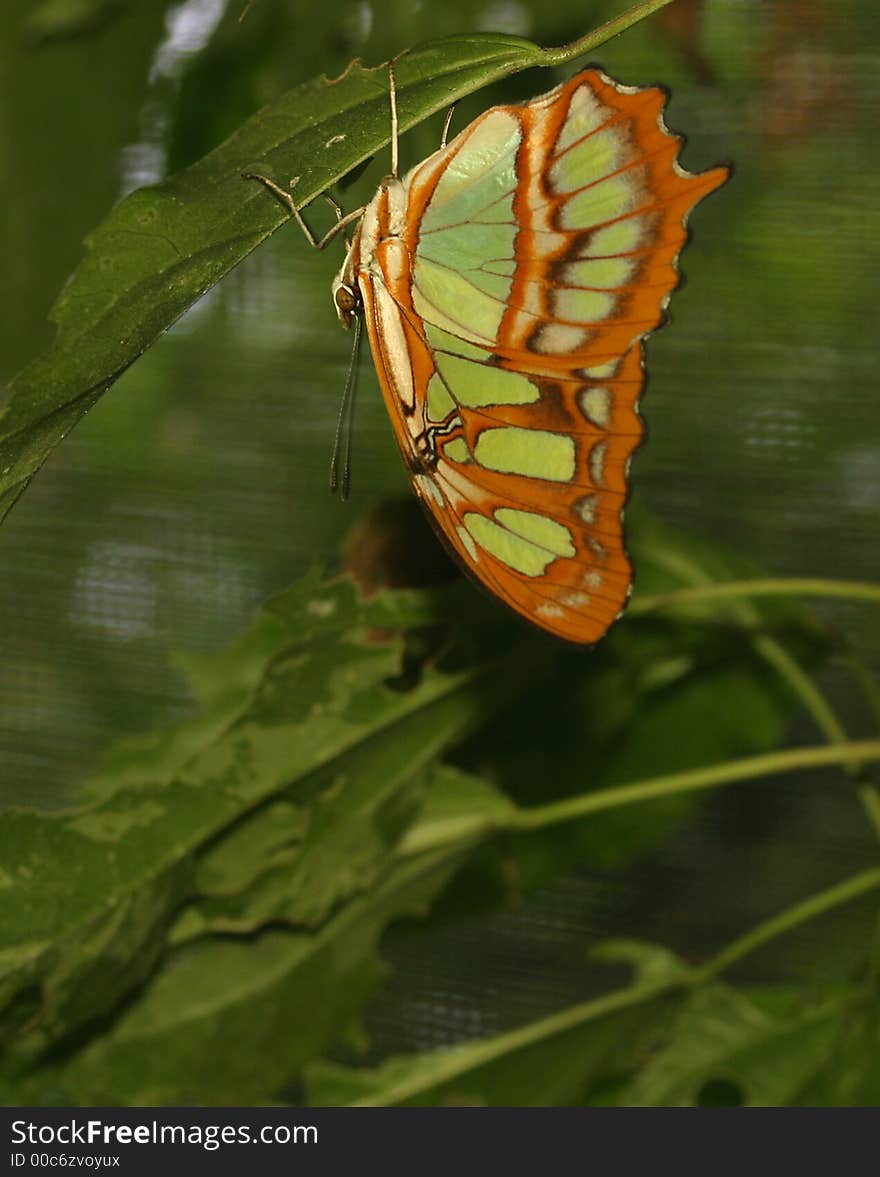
(346, 295)
(346, 299)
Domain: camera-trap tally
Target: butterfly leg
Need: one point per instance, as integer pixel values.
(339, 216)
(286, 198)
(445, 134)
(334, 205)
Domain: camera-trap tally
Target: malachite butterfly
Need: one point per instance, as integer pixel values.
(508, 283)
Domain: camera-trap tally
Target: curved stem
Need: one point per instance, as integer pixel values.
(702, 589)
(465, 828)
(611, 28)
(866, 680)
(778, 925)
(806, 690)
(744, 769)
(450, 1063)
(870, 799)
(853, 590)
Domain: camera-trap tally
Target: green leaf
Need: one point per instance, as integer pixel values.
(231, 1021)
(726, 1040)
(164, 247)
(308, 717)
(851, 1074)
(651, 963)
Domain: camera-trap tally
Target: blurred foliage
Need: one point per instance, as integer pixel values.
(712, 1047)
(204, 925)
(233, 875)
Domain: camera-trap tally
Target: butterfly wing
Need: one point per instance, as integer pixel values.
(506, 316)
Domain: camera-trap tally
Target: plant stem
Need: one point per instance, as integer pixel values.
(870, 800)
(450, 1063)
(778, 925)
(866, 681)
(773, 652)
(744, 769)
(464, 828)
(611, 28)
(803, 686)
(854, 590)
(458, 1060)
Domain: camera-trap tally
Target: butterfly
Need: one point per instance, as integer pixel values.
(507, 284)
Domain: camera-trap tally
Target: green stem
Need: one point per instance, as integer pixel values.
(466, 828)
(453, 1062)
(805, 689)
(767, 647)
(853, 590)
(870, 799)
(868, 794)
(778, 925)
(701, 590)
(458, 1060)
(826, 720)
(744, 769)
(611, 28)
(866, 681)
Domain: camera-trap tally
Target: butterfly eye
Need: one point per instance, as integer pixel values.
(347, 303)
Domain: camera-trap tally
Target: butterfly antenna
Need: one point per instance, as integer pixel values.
(340, 462)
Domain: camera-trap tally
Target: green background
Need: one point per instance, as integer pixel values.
(197, 487)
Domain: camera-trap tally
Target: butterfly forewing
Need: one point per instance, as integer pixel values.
(506, 311)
